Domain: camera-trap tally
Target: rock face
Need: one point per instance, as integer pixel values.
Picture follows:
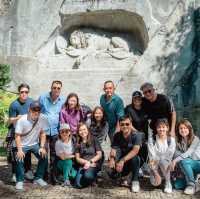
(84, 41)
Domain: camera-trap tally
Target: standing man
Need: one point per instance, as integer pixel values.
(124, 156)
(51, 104)
(158, 106)
(29, 131)
(18, 108)
(113, 107)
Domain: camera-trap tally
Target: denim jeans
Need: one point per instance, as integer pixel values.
(133, 166)
(85, 178)
(190, 168)
(42, 163)
(52, 141)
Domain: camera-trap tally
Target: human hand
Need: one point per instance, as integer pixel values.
(42, 152)
(172, 165)
(119, 166)
(87, 165)
(111, 163)
(20, 155)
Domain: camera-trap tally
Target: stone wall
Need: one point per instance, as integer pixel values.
(163, 29)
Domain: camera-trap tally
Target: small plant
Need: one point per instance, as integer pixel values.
(4, 75)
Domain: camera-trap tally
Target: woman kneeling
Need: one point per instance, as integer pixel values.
(89, 157)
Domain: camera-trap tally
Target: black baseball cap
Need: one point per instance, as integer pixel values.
(137, 94)
(35, 105)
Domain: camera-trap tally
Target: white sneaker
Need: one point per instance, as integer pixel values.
(135, 186)
(19, 186)
(29, 175)
(197, 184)
(13, 179)
(189, 190)
(168, 187)
(40, 182)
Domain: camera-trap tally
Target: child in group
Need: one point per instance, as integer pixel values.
(161, 151)
(88, 155)
(98, 125)
(64, 148)
(187, 155)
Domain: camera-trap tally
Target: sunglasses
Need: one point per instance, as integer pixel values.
(56, 88)
(21, 92)
(125, 124)
(64, 131)
(147, 91)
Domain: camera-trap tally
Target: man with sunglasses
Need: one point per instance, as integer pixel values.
(29, 132)
(124, 156)
(51, 104)
(18, 108)
(158, 106)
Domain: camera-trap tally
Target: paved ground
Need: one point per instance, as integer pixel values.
(104, 190)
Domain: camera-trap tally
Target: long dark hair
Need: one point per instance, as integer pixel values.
(79, 138)
(191, 134)
(77, 108)
(93, 119)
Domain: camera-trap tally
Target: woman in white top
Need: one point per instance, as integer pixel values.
(161, 151)
(64, 148)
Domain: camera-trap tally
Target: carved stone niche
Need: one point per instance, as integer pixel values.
(99, 39)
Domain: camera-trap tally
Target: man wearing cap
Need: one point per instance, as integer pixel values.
(29, 130)
(113, 106)
(18, 108)
(52, 103)
(158, 106)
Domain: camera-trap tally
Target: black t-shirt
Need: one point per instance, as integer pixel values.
(126, 145)
(139, 118)
(162, 107)
(86, 151)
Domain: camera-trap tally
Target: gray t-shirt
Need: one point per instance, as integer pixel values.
(25, 124)
(62, 147)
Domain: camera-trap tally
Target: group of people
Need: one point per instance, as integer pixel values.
(142, 134)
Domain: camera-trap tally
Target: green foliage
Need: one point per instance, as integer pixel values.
(5, 100)
(4, 75)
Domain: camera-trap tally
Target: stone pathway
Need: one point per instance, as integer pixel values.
(105, 190)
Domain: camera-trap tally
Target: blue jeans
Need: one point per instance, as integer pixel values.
(190, 168)
(133, 166)
(85, 178)
(42, 163)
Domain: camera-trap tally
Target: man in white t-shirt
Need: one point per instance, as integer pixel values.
(30, 136)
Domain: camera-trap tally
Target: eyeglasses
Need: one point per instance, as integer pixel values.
(21, 92)
(147, 91)
(64, 131)
(56, 88)
(125, 124)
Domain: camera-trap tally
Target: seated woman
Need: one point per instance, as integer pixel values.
(187, 155)
(72, 113)
(161, 152)
(88, 155)
(98, 125)
(64, 148)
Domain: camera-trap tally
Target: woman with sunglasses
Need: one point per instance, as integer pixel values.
(161, 151)
(72, 112)
(64, 148)
(88, 156)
